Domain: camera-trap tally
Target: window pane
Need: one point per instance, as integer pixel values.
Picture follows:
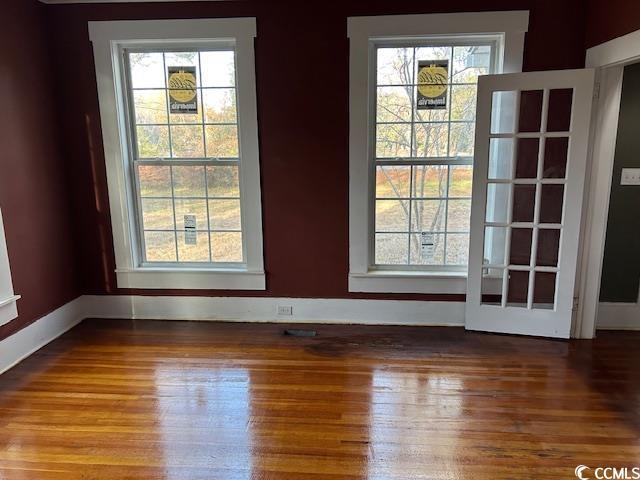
(392, 216)
(430, 139)
(160, 246)
(224, 214)
(187, 141)
(428, 252)
(147, 70)
(192, 208)
(189, 118)
(461, 140)
(428, 215)
(470, 62)
(219, 105)
(394, 104)
(460, 180)
(463, 102)
(222, 141)
(223, 181)
(457, 249)
(395, 66)
(153, 142)
(430, 181)
(157, 214)
(183, 59)
(150, 106)
(155, 181)
(458, 215)
(188, 181)
(218, 69)
(393, 141)
(193, 246)
(226, 246)
(391, 249)
(392, 181)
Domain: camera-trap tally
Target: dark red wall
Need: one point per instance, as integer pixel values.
(610, 19)
(302, 82)
(33, 190)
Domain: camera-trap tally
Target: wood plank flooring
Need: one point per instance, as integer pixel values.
(116, 399)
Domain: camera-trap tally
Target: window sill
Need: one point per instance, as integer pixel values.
(399, 281)
(8, 309)
(194, 278)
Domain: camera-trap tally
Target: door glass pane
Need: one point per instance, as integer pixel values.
(491, 288)
(551, 203)
(555, 157)
(548, 247)
(559, 116)
(530, 111)
(518, 288)
(527, 158)
(544, 291)
(495, 239)
(500, 158)
(520, 246)
(524, 200)
(503, 115)
(497, 201)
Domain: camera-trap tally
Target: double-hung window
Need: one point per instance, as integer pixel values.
(413, 87)
(178, 109)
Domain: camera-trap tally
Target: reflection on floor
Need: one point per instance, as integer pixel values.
(184, 400)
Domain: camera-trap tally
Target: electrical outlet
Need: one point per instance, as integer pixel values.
(630, 176)
(285, 310)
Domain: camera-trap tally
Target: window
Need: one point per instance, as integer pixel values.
(181, 151)
(423, 154)
(186, 164)
(413, 87)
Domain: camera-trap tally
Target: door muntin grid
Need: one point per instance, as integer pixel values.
(446, 162)
(526, 178)
(225, 245)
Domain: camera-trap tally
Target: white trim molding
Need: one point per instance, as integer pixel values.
(8, 299)
(608, 59)
(109, 38)
(507, 29)
(264, 309)
(23, 343)
(619, 316)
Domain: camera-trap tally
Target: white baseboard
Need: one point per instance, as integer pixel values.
(264, 309)
(25, 342)
(618, 316)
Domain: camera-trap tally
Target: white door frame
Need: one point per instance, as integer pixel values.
(609, 59)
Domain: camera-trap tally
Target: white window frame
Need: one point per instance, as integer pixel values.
(8, 307)
(364, 32)
(108, 39)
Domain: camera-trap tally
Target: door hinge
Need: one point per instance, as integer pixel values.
(596, 91)
(576, 303)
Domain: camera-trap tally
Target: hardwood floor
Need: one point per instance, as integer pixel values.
(118, 399)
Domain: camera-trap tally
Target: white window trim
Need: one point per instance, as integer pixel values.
(8, 307)
(107, 39)
(362, 31)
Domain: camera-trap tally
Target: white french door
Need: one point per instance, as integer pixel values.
(530, 160)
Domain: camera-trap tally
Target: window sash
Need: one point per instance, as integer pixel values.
(374, 161)
(134, 159)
